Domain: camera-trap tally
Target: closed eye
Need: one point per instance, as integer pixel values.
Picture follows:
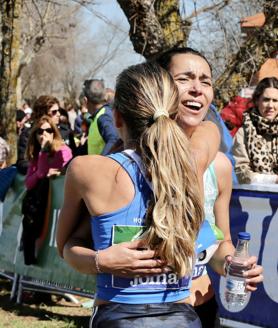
(206, 83)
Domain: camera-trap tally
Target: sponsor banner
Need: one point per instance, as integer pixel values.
(256, 212)
(10, 224)
(50, 267)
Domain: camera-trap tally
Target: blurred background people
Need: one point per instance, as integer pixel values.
(4, 153)
(102, 132)
(71, 115)
(44, 105)
(65, 129)
(256, 142)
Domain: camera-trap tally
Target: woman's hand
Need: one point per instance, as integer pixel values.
(254, 275)
(46, 141)
(126, 260)
(53, 172)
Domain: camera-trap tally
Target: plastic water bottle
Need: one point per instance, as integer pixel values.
(236, 297)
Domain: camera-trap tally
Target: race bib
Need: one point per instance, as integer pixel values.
(163, 281)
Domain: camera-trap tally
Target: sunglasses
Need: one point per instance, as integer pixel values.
(54, 112)
(40, 131)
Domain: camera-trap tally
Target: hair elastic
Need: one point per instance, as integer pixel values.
(159, 113)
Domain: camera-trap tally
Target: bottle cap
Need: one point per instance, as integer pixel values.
(244, 235)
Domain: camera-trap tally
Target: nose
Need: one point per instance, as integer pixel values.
(196, 87)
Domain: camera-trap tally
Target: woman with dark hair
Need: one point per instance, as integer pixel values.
(256, 142)
(193, 75)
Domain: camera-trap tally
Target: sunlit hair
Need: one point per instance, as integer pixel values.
(176, 213)
(42, 106)
(268, 82)
(34, 147)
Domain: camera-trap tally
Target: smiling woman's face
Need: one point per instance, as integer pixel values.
(192, 75)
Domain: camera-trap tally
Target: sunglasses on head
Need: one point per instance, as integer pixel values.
(54, 112)
(40, 131)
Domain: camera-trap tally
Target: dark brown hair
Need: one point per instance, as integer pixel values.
(42, 106)
(268, 82)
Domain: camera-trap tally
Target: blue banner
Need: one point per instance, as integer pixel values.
(255, 211)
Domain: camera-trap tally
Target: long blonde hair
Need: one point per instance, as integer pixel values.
(175, 214)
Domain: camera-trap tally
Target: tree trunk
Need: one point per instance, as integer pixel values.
(10, 11)
(155, 25)
(252, 54)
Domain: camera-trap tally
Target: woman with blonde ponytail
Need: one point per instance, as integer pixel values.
(149, 194)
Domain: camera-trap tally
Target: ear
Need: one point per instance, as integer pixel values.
(118, 119)
(85, 100)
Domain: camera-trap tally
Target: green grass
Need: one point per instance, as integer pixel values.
(34, 313)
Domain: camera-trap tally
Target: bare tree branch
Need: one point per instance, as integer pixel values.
(205, 9)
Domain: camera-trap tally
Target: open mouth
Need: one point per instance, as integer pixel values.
(193, 105)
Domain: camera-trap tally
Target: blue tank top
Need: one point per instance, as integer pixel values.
(127, 224)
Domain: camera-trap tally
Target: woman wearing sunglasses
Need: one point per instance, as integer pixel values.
(47, 155)
(44, 105)
(46, 152)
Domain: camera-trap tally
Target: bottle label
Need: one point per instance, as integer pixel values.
(236, 286)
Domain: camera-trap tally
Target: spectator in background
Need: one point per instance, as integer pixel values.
(82, 115)
(256, 142)
(26, 107)
(44, 105)
(21, 119)
(71, 115)
(110, 94)
(65, 130)
(7, 173)
(4, 153)
(46, 152)
(47, 155)
(102, 132)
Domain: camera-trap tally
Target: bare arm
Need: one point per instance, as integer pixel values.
(122, 260)
(74, 237)
(222, 219)
(223, 169)
(73, 206)
(204, 142)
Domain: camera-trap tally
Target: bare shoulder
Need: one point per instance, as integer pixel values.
(223, 165)
(88, 168)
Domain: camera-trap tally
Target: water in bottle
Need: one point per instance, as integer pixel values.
(236, 296)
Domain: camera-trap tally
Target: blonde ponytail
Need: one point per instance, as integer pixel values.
(146, 95)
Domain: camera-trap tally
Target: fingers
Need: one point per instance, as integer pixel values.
(141, 272)
(251, 261)
(251, 283)
(154, 263)
(135, 244)
(253, 276)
